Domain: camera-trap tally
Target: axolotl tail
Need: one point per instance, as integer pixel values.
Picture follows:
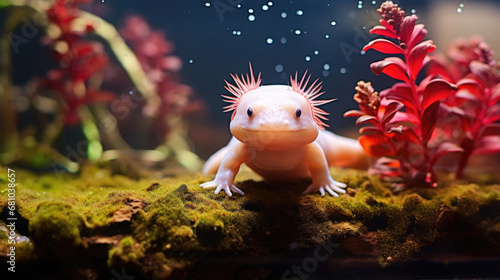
(342, 151)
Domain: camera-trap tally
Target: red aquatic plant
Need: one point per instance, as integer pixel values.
(471, 114)
(155, 54)
(400, 121)
(78, 58)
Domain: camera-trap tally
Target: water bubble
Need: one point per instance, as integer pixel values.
(278, 68)
(283, 15)
(333, 23)
(269, 3)
(206, 4)
(265, 7)
(327, 36)
(413, 11)
(299, 12)
(269, 40)
(283, 40)
(308, 58)
(316, 52)
(250, 11)
(251, 17)
(298, 31)
(326, 66)
(343, 70)
(326, 73)
(190, 61)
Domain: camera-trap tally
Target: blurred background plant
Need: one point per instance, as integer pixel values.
(98, 91)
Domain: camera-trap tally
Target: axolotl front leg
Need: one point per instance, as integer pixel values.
(320, 174)
(235, 156)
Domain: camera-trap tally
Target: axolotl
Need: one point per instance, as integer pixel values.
(278, 132)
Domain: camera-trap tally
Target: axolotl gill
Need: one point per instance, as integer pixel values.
(278, 132)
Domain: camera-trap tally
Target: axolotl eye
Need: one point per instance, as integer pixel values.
(298, 113)
(249, 111)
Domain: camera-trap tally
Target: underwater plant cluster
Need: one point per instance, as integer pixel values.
(453, 107)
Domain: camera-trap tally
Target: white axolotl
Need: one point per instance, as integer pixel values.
(279, 133)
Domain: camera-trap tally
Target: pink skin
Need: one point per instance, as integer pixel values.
(281, 145)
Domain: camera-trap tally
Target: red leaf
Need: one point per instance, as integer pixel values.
(383, 31)
(417, 35)
(393, 67)
(390, 111)
(384, 46)
(493, 114)
(483, 71)
(437, 67)
(436, 90)
(443, 149)
(488, 145)
(353, 114)
(366, 119)
(401, 92)
(429, 118)
(407, 28)
(417, 56)
(375, 145)
(490, 129)
(370, 130)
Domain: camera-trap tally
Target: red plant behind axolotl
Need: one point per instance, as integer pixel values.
(475, 107)
(401, 120)
(155, 54)
(78, 58)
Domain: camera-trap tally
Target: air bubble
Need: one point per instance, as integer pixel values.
(190, 61)
(326, 73)
(327, 36)
(461, 5)
(206, 4)
(298, 31)
(316, 52)
(270, 3)
(413, 11)
(283, 40)
(308, 58)
(459, 10)
(362, 52)
(299, 12)
(269, 40)
(278, 68)
(343, 70)
(333, 23)
(374, 2)
(251, 17)
(238, 6)
(265, 7)
(326, 66)
(283, 15)
(250, 11)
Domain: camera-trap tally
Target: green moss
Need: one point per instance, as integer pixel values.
(172, 222)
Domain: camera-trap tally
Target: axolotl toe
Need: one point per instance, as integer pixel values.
(278, 131)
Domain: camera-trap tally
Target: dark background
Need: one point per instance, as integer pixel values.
(209, 50)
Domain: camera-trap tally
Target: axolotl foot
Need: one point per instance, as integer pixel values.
(226, 187)
(331, 186)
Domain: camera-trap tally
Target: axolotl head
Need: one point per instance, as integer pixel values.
(275, 116)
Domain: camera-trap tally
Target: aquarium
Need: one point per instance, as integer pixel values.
(238, 139)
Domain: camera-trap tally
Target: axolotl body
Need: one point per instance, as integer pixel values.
(278, 132)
